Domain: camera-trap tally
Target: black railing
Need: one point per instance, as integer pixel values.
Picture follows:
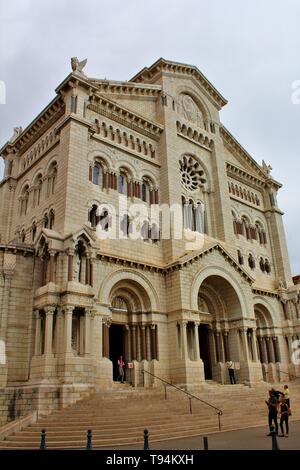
(188, 394)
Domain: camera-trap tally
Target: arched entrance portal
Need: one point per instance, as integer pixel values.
(132, 333)
(219, 342)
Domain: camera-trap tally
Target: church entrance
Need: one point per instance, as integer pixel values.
(116, 347)
(204, 350)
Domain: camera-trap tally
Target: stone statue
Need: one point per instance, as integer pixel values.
(77, 264)
(17, 131)
(77, 66)
(281, 284)
(266, 168)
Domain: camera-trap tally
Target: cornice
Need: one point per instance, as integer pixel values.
(244, 176)
(37, 127)
(265, 292)
(162, 65)
(237, 148)
(126, 88)
(112, 110)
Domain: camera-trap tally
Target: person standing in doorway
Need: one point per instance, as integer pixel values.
(121, 365)
(230, 367)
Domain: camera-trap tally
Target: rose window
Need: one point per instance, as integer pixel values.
(192, 176)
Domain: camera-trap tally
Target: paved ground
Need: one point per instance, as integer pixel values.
(244, 439)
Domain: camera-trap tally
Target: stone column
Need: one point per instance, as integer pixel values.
(59, 330)
(220, 347)
(270, 350)
(128, 340)
(250, 345)
(197, 344)
(265, 350)
(70, 265)
(87, 331)
(87, 271)
(143, 342)
(91, 272)
(184, 339)
(138, 343)
(51, 266)
(49, 311)
(133, 342)
(106, 326)
(216, 340)
(254, 346)
(83, 270)
(68, 330)
(245, 343)
(153, 342)
(261, 349)
(277, 349)
(148, 343)
(226, 346)
(37, 341)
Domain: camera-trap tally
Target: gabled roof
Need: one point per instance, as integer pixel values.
(166, 65)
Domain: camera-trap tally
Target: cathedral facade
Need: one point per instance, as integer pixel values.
(133, 223)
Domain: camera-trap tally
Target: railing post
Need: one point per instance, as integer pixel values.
(146, 439)
(165, 391)
(89, 440)
(191, 411)
(275, 445)
(205, 443)
(219, 420)
(43, 440)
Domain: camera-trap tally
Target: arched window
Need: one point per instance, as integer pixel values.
(52, 177)
(51, 219)
(199, 217)
(251, 261)
(154, 233)
(33, 231)
(104, 219)
(93, 215)
(240, 257)
(145, 230)
(98, 174)
(146, 191)
(267, 266)
(246, 228)
(24, 200)
(37, 191)
(125, 225)
(262, 264)
(45, 221)
(123, 183)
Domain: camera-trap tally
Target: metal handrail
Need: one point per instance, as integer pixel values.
(190, 396)
(290, 375)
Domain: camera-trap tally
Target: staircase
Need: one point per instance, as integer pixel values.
(120, 415)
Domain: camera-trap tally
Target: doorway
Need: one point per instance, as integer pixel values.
(205, 351)
(116, 347)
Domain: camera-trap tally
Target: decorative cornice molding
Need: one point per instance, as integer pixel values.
(162, 65)
(130, 119)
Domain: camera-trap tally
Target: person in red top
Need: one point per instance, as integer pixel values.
(121, 365)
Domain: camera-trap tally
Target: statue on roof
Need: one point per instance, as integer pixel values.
(266, 168)
(77, 66)
(17, 131)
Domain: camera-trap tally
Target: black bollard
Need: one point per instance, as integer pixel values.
(205, 443)
(146, 439)
(89, 440)
(275, 445)
(43, 440)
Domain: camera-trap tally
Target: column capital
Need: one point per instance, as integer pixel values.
(36, 314)
(197, 322)
(69, 309)
(88, 312)
(50, 309)
(52, 252)
(152, 326)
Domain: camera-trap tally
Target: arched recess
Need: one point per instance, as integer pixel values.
(227, 286)
(138, 283)
(186, 90)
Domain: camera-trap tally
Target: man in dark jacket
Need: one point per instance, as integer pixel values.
(273, 403)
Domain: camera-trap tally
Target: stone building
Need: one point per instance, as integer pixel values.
(202, 279)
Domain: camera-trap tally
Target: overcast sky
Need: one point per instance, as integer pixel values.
(250, 51)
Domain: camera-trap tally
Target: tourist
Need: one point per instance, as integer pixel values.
(230, 367)
(284, 417)
(286, 394)
(272, 404)
(121, 365)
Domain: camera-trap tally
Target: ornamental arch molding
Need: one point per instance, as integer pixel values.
(225, 275)
(134, 280)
